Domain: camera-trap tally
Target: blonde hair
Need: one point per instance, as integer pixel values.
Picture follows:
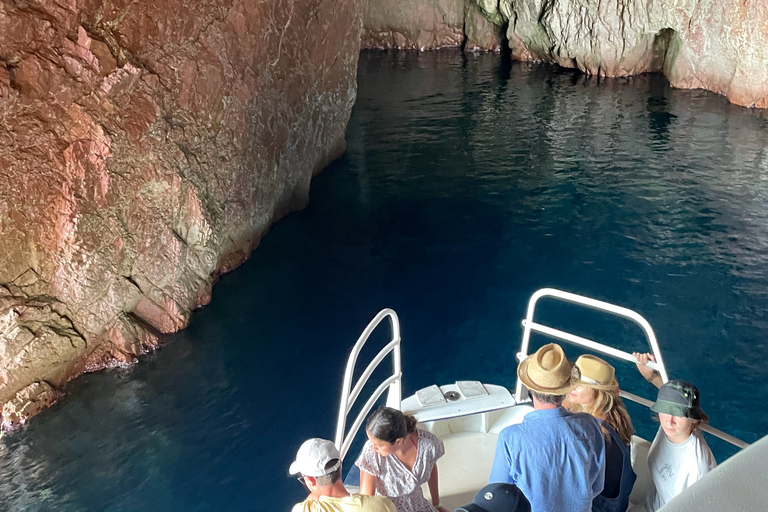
(609, 407)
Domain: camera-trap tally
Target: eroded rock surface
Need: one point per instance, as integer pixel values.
(426, 25)
(145, 147)
(721, 46)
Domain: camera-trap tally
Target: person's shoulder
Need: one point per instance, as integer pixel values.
(581, 416)
(703, 451)
(516, 427)
(368, 460)
(430, 445)
(515, 433)
(588, 420)
(428, 436)
(300, 507)
(376, 503)
(367, 450)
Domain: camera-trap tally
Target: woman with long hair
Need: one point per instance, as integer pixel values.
(598, 394)
(679, 454)
(397, 459)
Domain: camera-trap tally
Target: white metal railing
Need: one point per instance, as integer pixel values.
(393, 382)
(529, 325)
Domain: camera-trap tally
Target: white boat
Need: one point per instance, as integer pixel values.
(468, 416)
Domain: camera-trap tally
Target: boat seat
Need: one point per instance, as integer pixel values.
(465, 467)
(639, 453)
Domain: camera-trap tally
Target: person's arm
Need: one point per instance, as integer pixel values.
(434, 490)
(649, 374)
(368, 483)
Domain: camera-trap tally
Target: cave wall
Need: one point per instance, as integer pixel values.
(426, 25)
(719, 45)
(145, 148)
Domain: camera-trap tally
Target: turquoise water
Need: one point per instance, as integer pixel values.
(467, 185)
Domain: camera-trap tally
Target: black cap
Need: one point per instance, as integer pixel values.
(498, 497)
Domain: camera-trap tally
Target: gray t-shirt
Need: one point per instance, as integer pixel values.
(675, 467)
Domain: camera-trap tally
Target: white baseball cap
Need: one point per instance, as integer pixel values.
(313, 457)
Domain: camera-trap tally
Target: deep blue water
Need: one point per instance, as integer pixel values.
(468, 184)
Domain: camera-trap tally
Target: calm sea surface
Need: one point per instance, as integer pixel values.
(467, 185)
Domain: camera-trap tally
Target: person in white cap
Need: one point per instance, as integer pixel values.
(556, 457)
(319, 464)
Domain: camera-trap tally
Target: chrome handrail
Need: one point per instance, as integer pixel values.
(393, 382)
(529, 325)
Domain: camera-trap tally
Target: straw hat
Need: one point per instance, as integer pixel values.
(596, 373)
(548, 371)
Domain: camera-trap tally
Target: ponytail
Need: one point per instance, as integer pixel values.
(389, 424)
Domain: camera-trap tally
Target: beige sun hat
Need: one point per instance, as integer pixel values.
(548, 371)
(596, 373)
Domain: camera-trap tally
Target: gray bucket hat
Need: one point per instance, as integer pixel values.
(678, 398)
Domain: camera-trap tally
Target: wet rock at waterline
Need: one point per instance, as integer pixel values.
(426, 25)
(720, 46)
(145, 147)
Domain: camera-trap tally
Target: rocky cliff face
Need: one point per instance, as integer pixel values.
(717, 45)
(721, 45)
(145, 147)
(427, 24)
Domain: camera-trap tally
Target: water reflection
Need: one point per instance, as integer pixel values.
(467, 185)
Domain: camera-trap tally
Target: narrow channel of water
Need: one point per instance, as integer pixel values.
(467, 185)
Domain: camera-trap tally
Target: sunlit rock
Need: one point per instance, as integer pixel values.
(145, 148)
(720, 46)
(426, 25)
(27, 403)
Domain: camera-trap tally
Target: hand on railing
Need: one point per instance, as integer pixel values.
(648, 373)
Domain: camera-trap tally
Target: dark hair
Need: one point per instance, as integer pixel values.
(389, 424)
(331, 477)
(548, 399)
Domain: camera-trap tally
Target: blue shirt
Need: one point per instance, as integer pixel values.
(556, 457)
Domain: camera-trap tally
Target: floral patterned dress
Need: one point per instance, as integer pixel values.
(398, 483)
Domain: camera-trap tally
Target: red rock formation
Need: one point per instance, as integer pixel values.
(145, 147)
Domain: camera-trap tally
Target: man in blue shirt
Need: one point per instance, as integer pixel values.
(556, 457)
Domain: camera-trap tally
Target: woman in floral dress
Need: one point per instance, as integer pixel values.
(397, 459)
